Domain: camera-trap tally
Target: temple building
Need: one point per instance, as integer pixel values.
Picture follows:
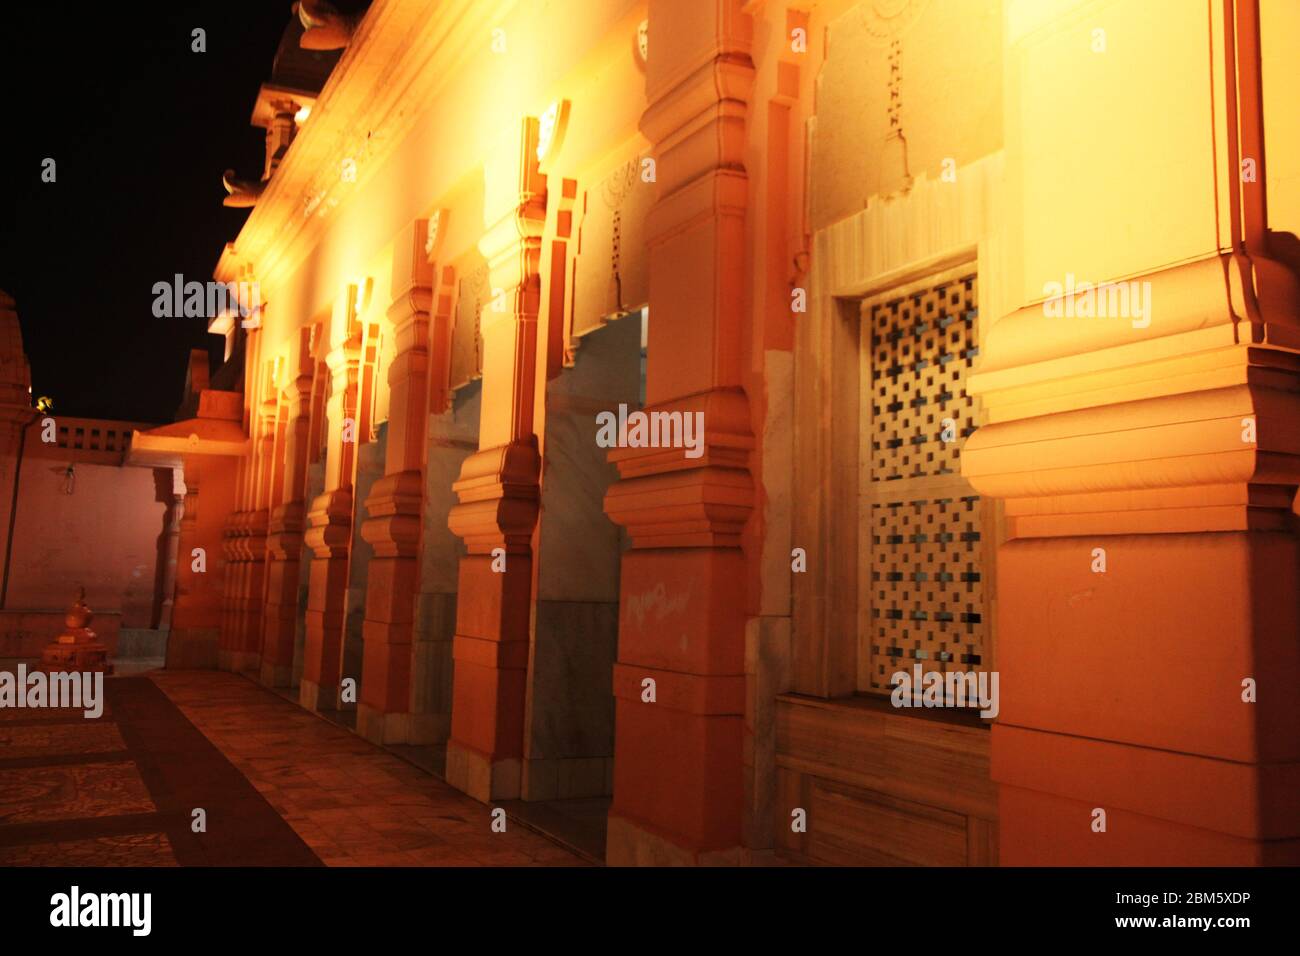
(938, 338)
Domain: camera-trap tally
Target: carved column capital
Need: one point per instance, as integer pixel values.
(498, 498)
(394, 517)
(1159, 424)
(668, 500)
(329, 532)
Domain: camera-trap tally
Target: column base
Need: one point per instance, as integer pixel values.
(480, 776)
(192, 648)
(430, 728)
(628, 843)
(275, 675)
(381, 728)
(314, 697)
(567, 778)
(239, 662)
(1051, 787)
(1044, 829)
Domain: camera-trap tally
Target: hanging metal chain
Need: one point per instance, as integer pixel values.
(614, 190)
(616, 253)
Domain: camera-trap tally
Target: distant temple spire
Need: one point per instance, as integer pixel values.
(15, 374)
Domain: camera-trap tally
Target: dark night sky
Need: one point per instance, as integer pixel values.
(141, 129)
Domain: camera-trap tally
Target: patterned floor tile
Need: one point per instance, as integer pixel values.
(35, 740)
(40, 794)
(137, 849)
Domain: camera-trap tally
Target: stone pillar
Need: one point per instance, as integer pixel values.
(1149, 457)
(285, 529)
(228, 641)
(233, 652)
(329, 534)
(175, 515)
(450, 436)
(678, 761)
(16, 412)
(15, 420)
(201, 595)
(392, 527)
(497, 508)
(238, 643)
(280, 133)
(251, 542)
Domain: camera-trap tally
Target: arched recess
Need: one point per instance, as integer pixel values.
(595, 364)
(451, 436)
(370, 437)
(318, 435)
(299, 389)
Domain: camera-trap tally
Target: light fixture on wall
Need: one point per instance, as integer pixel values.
(550, 130)
(436, 229)
(70, 479)
(642, 43)
(364, 286)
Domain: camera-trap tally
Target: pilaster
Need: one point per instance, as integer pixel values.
(329, 533)
(228, 641)
(680, 679)
(285, 528)
(171, 547)
(497, 509)
(395, 503)
(1149, 461)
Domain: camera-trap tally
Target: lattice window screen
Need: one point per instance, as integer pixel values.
(924, 583)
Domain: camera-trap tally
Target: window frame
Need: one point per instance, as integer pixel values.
(932, 486)
(828, 457)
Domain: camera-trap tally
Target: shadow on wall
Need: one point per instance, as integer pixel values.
(163, 494)
(570, 738)
(1285, 248)
(452, 437)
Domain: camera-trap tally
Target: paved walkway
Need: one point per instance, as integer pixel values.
(279, 786)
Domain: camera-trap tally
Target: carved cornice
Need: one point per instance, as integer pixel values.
(402, 54)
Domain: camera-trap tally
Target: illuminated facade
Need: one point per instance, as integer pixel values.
(844, 236)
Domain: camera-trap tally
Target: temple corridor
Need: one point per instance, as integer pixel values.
(654, 433)
(279, 786)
